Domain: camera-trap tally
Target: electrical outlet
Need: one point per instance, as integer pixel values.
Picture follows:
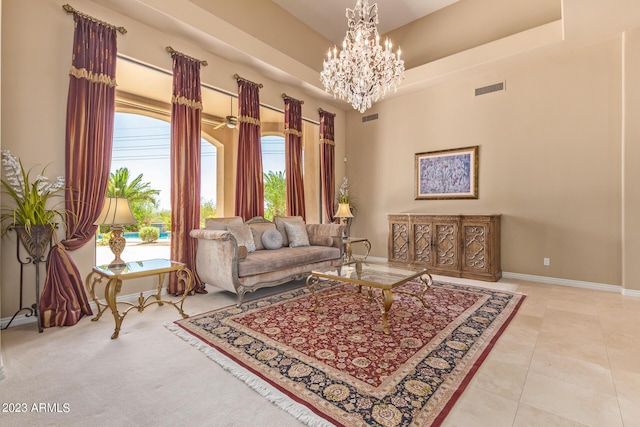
(546, 261)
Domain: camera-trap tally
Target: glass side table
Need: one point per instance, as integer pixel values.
(115, 275)
(347, 243)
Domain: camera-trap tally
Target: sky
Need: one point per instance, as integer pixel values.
(141, 144)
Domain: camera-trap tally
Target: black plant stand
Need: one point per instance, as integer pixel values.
(34, 309)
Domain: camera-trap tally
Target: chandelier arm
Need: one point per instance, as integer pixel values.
(363, 71)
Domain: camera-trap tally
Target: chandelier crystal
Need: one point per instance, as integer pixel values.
(364, 71)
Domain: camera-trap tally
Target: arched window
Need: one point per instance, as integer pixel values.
(140, 161)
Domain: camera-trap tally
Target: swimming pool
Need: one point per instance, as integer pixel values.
(135, 235)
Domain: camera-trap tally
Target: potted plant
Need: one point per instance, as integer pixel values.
(32, 219)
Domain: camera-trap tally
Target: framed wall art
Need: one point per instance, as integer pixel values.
(447, 174)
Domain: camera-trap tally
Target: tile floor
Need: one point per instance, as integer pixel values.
(570, 357)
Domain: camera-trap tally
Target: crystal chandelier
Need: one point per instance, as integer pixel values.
(364, 71)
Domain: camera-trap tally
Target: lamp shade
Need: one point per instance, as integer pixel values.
(344, 211)
(116, 211)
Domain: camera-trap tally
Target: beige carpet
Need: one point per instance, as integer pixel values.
(149, 377)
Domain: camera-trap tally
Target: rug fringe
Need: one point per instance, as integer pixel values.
(273, 395)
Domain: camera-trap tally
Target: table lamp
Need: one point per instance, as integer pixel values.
(116, 212)
(344, 212)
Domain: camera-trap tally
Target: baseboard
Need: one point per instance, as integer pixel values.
(132, 298)
(557, 281)
(631, 292)
(566, 282)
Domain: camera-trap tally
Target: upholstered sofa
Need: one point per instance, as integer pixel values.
(242, 257)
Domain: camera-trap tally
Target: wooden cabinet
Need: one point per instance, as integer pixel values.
(452, 245)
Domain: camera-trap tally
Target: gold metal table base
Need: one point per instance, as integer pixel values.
(384, 300)
(114, 286)
(348, 248)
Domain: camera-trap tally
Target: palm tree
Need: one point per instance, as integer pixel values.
(140, 194)
(275, 194)
(136, 191)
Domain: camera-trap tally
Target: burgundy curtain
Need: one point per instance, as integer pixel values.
(249, 179)
(89, 134)
(327, 163)
(293, 157)
(186, 108)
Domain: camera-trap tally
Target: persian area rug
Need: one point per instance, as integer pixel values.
(335, 365)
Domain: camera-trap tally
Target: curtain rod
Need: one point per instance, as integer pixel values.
(320, 110)
(285, 96)
(173, 51)
(69, 9)
(208, 86)
(237, 77)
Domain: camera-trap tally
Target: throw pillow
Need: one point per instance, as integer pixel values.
(242, 252)
(258, 229)
(272, 239)
(280, 221)
(297, 234)
(243, 235)
(320, 240)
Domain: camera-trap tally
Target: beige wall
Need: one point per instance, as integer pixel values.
(466, 24)
(631, 162)
(550, 159)
(556, 157)
(36, 57)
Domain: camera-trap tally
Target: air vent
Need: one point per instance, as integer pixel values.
(496, 87)
(370, 117)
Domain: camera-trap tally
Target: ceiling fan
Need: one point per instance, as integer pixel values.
(230, 121)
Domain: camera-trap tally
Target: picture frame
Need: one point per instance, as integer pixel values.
(447, 174)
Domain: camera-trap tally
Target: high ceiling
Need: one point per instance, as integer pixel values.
(438, 35)
(328, 17)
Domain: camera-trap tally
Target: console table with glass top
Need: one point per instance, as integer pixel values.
(385, 277)
(134, 270)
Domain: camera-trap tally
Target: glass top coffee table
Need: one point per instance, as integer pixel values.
(372, 276)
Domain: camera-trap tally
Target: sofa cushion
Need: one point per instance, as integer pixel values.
(261, 262)
(319, 240)
(257, 229)
(297, 234)
(280, 221)
(324, 234)
(243, 236)
(272, 239)
(222, 223)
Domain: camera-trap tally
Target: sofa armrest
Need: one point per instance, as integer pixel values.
(217, 258)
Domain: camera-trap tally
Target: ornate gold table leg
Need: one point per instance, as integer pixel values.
(311, 282)
(388, 301)
(348, 252)
(110, 293)
(90, 283)
(426, 280)
(160, 283)
(367, 245)
(185, 276)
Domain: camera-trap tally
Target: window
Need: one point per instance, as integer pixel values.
(273, 167)
(141, 145)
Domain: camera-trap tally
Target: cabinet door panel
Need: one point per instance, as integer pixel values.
(399, 241)
(422, 243)
(475, 247)
(446, 245)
